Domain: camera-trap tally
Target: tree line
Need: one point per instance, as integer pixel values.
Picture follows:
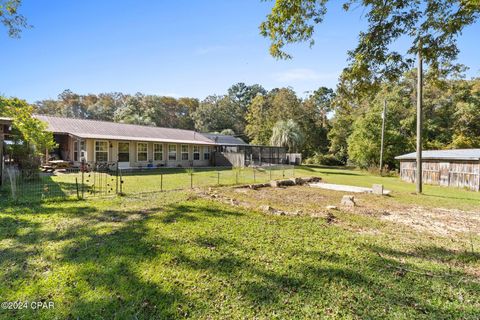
(327, 127)
(246, 111)
(451, 107)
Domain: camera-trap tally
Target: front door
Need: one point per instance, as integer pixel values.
(123, 155)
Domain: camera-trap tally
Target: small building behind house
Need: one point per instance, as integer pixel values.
(458, 168)
(294, 158)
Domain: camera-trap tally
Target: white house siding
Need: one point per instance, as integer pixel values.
(113, 154)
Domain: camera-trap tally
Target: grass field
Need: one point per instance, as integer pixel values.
(180, 255)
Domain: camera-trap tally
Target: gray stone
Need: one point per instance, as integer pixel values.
(348, 201)
(281, 183)
(266, 208)
(296, 180)
(377, 189)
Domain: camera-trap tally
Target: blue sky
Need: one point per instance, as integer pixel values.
(178, 48)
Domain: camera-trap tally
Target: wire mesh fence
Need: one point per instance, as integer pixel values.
(35, 185)
(95, 181)
(164, 179)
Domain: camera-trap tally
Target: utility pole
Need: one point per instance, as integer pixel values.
(384, 116)
(419, 116)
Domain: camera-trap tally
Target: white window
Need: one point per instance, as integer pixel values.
(184, 152)
(142, 151)
(172, 152)
(157, 151)
(196, 153)
(206, 153)
(101, 151)
(124, 152)
(83, 153)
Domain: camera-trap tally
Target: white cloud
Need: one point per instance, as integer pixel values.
(303, 74)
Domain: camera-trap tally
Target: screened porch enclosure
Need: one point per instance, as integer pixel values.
(249, 156)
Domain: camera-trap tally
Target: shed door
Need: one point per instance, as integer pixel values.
(444, 173)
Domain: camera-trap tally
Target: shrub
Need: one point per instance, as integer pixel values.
(324, 159)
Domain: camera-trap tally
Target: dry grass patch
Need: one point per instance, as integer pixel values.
(304, 200)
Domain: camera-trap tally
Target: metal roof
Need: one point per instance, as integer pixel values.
(454, 154)
(223, 139)
(95, 129)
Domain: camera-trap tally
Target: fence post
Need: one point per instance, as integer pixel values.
(161, 182)
(254, 179)
(121, 182)
(116, 180)
(191, 180)
(218, 177)
(83, 178)
(270, 169)
(94, 181)
(76, 184)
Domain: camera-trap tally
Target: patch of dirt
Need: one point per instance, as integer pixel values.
(303, 200)
(436, 220)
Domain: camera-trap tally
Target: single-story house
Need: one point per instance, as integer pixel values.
(136, 146)
(132, 146)
(456, 168)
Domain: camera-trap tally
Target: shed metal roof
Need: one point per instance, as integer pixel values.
(96, 129)
(454, 154)
(223, 139)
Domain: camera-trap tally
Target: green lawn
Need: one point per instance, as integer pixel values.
(174, 255)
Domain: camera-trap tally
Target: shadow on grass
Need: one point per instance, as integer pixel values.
(432, 254)
(130, 264)
(333, 173)
(446, 196)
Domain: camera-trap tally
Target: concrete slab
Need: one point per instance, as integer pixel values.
(346, 188)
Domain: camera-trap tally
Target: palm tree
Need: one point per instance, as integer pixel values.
(228, 132)
(287, 134)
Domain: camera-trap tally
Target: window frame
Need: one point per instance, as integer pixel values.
(206, 151)
(76, 147)
(197, 153)
(118, 150)
(146, 151)
(96, 151)
(182, 153)
(155, 152)
(170, 152)
(83, 151)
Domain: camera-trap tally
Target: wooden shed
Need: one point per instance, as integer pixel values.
(453, 168)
